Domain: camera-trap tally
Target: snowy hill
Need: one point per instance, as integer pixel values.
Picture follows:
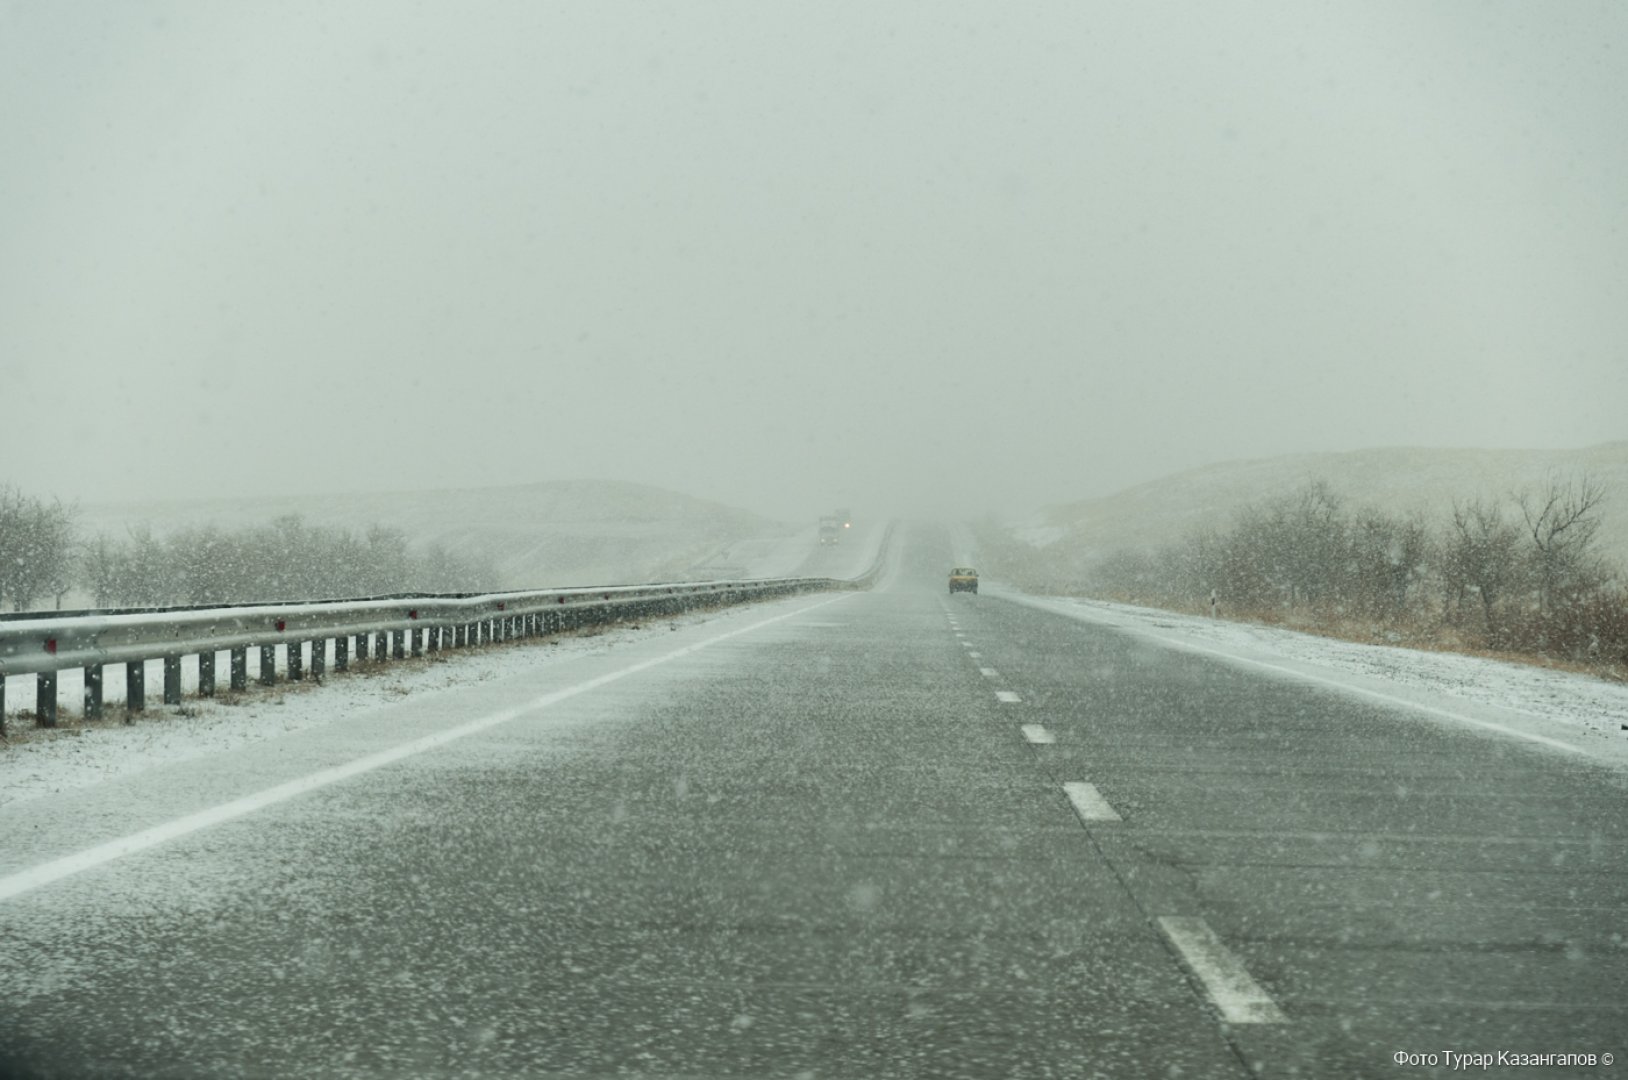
(1399, 480)
(579, 532)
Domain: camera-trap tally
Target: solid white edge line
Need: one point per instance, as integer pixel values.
(1347, 688)
(1089, 803)
(1007, 696)
(1037, 734)
(1235, 993)
(65, 866)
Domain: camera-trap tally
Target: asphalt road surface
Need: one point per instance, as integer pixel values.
(868, 835)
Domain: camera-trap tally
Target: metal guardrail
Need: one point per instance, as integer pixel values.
(392, 627)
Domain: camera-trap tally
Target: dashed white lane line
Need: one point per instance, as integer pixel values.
(43, 874)
(1089, 803)
(976, 655)
(1007, 696)
(1229, 984)
(1038, 735)
(1335, 684)
(989, 673)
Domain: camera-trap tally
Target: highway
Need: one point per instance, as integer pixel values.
(859, 835)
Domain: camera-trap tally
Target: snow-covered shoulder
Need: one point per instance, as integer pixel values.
(1562, 711)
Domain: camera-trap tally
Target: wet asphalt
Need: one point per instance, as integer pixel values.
(829, 850)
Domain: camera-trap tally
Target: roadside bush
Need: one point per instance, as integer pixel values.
(1518, 574)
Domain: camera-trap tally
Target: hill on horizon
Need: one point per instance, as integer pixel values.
(568, 532)
(1399, 480)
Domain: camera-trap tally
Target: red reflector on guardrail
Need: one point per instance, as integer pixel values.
(282, 625)
(503, 605)
(51, 645)
(606, 596)
(562, 599)
(413, 613)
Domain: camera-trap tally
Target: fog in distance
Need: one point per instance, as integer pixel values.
(914, 257)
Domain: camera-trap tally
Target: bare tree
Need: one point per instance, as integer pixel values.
(36, 548)
(1483, 554)
(1561, 521)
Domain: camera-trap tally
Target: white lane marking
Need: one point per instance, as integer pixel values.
(1238, 996)
(68, 865)
(1007, 696)
(1089, 803)
(966, 644)
(1037, 734)
(989, 673)
(976, 655)
(1343, 687)
(959, 634)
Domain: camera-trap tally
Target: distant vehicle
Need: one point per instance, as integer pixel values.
(830, 530)
(845, 517)
(963, 579)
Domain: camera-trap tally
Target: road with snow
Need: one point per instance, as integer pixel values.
(863, 835)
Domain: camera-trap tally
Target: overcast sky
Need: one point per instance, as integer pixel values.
(901, 255)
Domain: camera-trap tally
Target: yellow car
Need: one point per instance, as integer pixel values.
(963, 579)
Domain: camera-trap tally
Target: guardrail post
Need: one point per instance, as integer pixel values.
(458, 636)
(172, 680)
(135, 687)
(93, 691)
(45, 699)
(398, 644)
(361, 646)
(319, 658)
(268, 665)
(296, 661)
(342, 652)
(2, 703)
(240, 669)
(206, 673)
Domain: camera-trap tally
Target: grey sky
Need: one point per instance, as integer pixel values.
(901, 255)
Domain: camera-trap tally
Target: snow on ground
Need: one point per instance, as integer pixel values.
(37, 763)
(1564, 711)
(761, 557)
